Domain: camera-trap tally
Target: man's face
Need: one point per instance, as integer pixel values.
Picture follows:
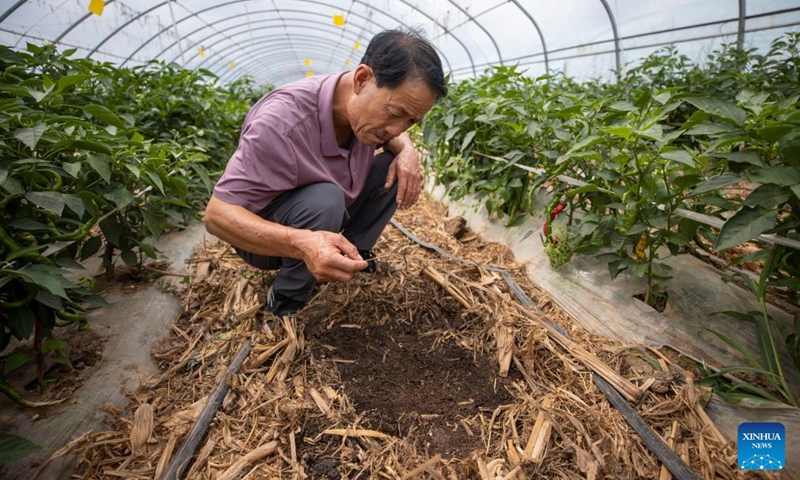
(380, 114)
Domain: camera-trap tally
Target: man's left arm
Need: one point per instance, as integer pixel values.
(406, 169)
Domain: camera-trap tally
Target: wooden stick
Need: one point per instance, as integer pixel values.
(355, 432)
(233, 471)
(449, 287)
(417, 471)
(321, 403)
(540, 434)
(665, 475)
(199, 428)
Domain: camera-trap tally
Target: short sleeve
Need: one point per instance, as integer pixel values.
(263, 166)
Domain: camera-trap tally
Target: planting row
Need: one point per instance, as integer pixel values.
(97, 159)
(721, 139)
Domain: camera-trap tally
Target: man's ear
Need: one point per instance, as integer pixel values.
(361, 75)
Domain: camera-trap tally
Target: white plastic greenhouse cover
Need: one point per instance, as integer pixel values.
(277, 41)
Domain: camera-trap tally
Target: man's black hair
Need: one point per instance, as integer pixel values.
(399, 55)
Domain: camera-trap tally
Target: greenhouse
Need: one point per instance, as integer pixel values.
(396, 239)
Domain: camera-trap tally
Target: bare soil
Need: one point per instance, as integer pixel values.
(412, 385)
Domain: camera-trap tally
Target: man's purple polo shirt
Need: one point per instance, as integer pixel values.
(287, 142)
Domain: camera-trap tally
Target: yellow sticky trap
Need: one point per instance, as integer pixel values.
(309, 74)
(338, 20)
(349, 63)
(201, 52)
(357, 46)
(97, 6)
(307, 62)
(231, 65)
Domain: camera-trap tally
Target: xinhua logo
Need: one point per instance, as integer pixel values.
(762, 446)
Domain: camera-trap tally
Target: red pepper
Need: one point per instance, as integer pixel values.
(546, 227)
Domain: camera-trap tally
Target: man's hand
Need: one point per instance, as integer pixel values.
(405, 168)
(329, 256)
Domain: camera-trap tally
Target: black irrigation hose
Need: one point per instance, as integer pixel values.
(187, 449)
(655, 443)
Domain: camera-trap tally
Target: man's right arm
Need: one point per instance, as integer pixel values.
(328, 255)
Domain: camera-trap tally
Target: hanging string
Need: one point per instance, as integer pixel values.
(177, 33)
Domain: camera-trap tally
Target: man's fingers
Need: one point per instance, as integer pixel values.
(390, 176)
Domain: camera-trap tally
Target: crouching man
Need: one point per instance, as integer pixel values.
(304, 193)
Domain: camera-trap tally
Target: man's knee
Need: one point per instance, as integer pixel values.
(320, 206)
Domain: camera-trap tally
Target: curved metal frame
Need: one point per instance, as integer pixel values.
(248, 63)
(617, 47)
(539, 31)
(230, 36)
(270, 40)
(219, 54)
(742, 30)
(82, 19)
(266, 69)
(472, 19)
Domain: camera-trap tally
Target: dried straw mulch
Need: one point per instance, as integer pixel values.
(290, 414)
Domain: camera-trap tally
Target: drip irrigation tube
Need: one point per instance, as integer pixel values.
(655, 443)
(185, 453)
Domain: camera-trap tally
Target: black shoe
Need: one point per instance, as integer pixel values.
(372, 264)
(280, 305)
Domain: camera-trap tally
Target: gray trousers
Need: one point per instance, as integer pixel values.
(321, 206)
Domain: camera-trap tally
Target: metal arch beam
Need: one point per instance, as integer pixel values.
(231, 36)
(742, 20)
(312, 40)
(469, 55)
(539, 31)
(263, 69)
(195, 14)
(280, 74)
(80, 20)
(368, 20)
(247, 63)
(269, 42)
(279, 47)
(119, 29)
(11, 9)
(617, 50)
(472, 19)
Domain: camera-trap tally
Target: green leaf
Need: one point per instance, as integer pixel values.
(70, 80)
(50, 201)
(157, 181)
(152, 223)
(3, 173)
(681, 156)
(75, 203)
(100, 164)
(102, 113)
(765, 347)
(468, 138)
(585, 143)
(719, 108)
(21, 322)
(622, 106)
(583, 189)
(46, 279)
(732, 343)
(111, 230)
(31, 136)
(747, 224)
(621, 132)
(37, 95)
(767, 196)
(709, 129)
(741, 157)
(13, 362)
(73, 169)
(53, 344)
(129, 257)
(121, 197)
(715, 183)
(13, 448)
(777, 175)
